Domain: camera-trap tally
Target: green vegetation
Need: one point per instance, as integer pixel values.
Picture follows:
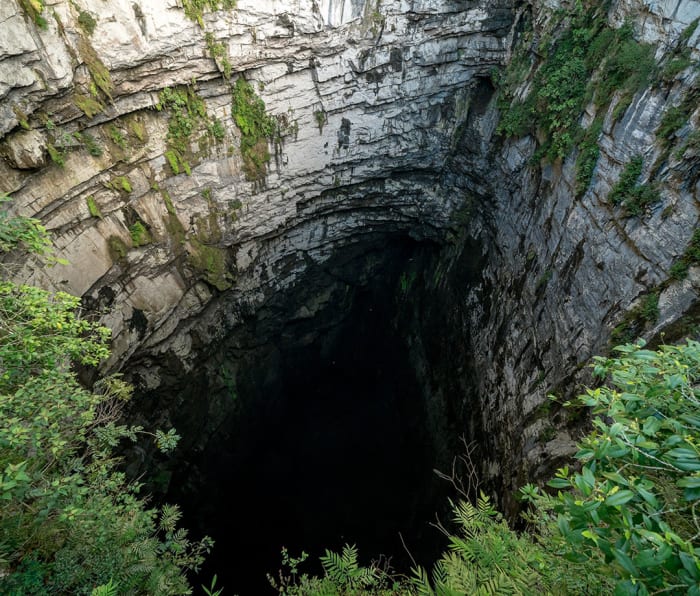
(93, 208)
(89, 142)
(321, 120)
(249, 114)
(187, 113)
(139, 235)
(120, 184)
(87, 105)
(637, 320)
(117, 248)
(87, 22)
(633, 501)
(587, 158)
(22, 117)
(194, 9)
(217, 50)
(587, 61)
(70, 521)
(633, 197)
(57, 155)
(117, 136)
(691, 256)
(34, 9)
(212, 263)
(99, 73)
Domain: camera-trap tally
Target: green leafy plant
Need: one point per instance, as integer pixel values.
(584, 59)
(194, 9)
(187, 113)
(634, 499)
(256, 126)
(70, 521)
(633, 197)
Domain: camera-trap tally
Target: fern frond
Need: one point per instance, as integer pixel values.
(421, 581)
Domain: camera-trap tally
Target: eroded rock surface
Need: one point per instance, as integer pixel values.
(386, 125)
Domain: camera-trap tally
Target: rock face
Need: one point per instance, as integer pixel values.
(385, 125)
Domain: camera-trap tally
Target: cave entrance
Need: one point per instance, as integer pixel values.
(328, 444)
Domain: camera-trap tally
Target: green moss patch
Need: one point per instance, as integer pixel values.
(139, 234)
(691, 256)
(93, 208)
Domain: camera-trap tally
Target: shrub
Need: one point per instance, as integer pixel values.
(634, 498)
(70, 521)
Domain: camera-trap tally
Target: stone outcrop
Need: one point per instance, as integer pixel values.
(386, 118)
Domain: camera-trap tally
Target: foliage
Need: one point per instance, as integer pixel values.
(194, 9)
(117, 136)
(69, 520)
(587, 158)
(637, 319)
(343, 575)
(22, 232)
(34, 9)
(588, 60)
(217, 50)
(691, 256)
(87, 105)
(139, 234)
(87, 22)
(93, 207)
(99, 73)
(635, 496)
(633, 197)
(249, 114)
(187, 112)
(57, 155)
(89, 142)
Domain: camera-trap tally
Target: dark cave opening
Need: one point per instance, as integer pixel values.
(329, 443)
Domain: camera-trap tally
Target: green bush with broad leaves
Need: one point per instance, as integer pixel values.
(70, 522)
(636, 496)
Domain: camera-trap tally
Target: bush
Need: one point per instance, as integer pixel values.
(70, 521)
(634, 499)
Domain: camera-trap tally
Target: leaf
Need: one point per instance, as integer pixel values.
(626, 563)
(619, 498)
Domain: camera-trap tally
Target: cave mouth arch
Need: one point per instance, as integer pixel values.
(330, 439)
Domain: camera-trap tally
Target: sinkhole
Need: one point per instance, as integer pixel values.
(327, 436)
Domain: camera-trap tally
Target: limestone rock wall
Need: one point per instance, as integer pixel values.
(368, 98)
(562, 272)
